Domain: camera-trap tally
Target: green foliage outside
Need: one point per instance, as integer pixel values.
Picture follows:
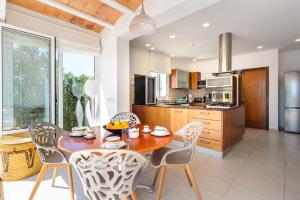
(70, 100)
(28, 73)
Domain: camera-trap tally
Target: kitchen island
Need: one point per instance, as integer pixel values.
(222, 127)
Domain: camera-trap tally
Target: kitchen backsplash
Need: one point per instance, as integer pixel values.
(173, 94)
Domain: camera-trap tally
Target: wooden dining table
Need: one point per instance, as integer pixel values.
(144, 143)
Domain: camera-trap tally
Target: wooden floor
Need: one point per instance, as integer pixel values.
(262, 166)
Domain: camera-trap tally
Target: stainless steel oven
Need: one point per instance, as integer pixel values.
(144, 90)
(222, 89)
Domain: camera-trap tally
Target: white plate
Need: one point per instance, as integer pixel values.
(112, 138)
(160, 133)
(111, 146)
(89, 136)
(76, 134)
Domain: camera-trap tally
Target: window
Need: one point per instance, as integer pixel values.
(75, 69)
(161, 83)
(27, 76)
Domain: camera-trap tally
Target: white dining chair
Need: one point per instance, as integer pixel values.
(164, 158)
(108, 174)
(132, 118)
(45, 136)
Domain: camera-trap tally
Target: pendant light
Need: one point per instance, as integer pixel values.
(142, 24)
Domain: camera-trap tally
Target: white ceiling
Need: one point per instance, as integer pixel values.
(271, 23)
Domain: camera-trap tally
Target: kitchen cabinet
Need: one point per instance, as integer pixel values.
(143, 112)
(179, 118)
(194, 77)
(159, 116)
(221, 128)
(179, 79)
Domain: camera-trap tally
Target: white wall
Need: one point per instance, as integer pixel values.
(251, 60)
(123, 74)
(143, 62)
(106, 73)
(180, 63)
(288, 61)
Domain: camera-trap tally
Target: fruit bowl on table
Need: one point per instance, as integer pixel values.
(115, 131)
(117, 127)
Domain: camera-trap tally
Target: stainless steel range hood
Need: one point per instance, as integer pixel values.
(225, 55)
(225, 52)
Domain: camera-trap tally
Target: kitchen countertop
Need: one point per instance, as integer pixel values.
(192, 107)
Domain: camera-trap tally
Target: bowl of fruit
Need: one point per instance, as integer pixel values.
(117, 126)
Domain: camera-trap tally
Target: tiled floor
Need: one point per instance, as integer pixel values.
(262, 166)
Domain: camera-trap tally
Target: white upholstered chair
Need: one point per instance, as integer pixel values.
(108, 174)
(181, 157)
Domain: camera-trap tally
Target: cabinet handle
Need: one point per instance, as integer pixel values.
(206, 142)
(178, 111)
(204, 113)
(205, 132)
(206, 122)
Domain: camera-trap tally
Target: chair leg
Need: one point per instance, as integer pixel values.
(155, 176)
(187, 175)
(161, 182)
(134, 196)
(71, 181)
(39, 180)
(192, 178)
(54, 176)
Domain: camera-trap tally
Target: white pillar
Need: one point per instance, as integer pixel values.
(2, 10)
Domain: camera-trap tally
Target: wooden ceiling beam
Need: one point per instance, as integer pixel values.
(77, 13)
(119, 6)
(2, 10)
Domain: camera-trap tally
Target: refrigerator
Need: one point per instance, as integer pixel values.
(144, 90)
(292, 102)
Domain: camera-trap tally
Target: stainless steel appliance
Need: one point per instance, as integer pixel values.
(222, 90)
(144, 90)
(292, 102)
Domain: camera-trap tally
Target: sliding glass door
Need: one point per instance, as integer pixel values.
(27, 78)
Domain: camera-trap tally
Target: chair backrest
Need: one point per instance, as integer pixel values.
(131, 117)
(108, 174)
(190, 133)
(45, 135)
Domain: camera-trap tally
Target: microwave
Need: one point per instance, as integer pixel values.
(221, 82)
(144, 90)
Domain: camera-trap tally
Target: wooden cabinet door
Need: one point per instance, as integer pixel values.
(160, 117)
(255, 97)
(194, 77)
(143, 113)
(179, 118)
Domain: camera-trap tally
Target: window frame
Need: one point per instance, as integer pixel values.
(158, 85)
(52, 73)
(60, 82)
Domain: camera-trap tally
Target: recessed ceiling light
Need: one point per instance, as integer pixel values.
(206, 24)
(194, 59)
(260, 47)
(172, 36)
(297, 40)
(172, 55)
(190, 44)
(147, 45)
(200, 57)
(152, 48)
